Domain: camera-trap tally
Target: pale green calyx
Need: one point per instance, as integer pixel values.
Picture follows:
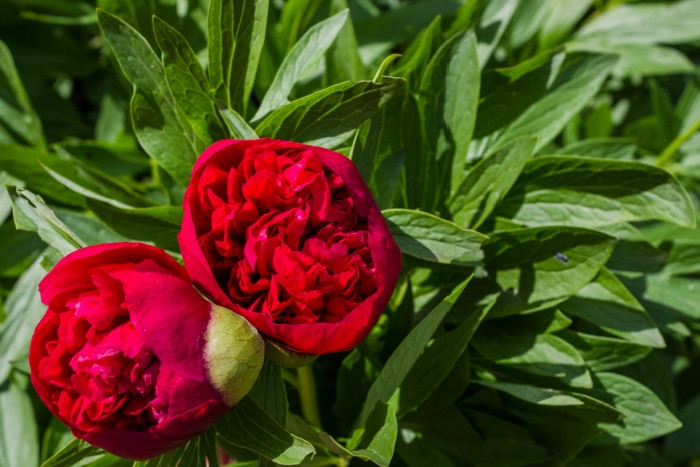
(233, 354)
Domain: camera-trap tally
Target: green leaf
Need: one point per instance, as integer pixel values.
(249, 427)
(561, 19)
(488, 182)
(269, 393)
(343, 62)
(23, 163)
(639, 59)
(606, 303)
(515, 344)
(527, 20)
(19, 444)
(325, 117)
(446, 105)
(431, 238)
(540, 267)
(578, 191)
(194, 453)
(575, 85)
(493, 22)
(236, 32)
(386, 388)
(681, 445)
(187, 82)
(76, 452)
(673, 23)
(159, 125)
(376, 439)
(646, 417)
(16, 111)
(436, 362)
(604, 148)
(158, 224)
(673, 292)
(32, 214)
(237, 126)
(605, 353)
(301, 62)
(683, 258)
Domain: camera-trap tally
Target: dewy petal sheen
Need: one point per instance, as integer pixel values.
(121, 355)
(289, 236)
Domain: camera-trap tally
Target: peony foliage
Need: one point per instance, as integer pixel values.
(256, 232)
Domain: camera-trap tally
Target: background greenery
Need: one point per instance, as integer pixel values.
(538, 162)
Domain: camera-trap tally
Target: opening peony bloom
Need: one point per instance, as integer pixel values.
(129, 355)
(288, 235)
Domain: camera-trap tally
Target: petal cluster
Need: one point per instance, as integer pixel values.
(289, 236)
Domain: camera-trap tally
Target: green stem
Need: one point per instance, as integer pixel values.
(307, 394)
(669, 152)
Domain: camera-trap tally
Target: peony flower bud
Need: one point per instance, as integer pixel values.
(288, 236)
(131, 357)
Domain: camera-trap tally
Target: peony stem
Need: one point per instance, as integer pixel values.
(307, 394)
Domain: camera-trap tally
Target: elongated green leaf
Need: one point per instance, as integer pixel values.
(603, 148)
(638, 59)
(683, 258)
(23, 163)
(16, 111)
(343, 62)
(158, 224)
(672, 23)
(23, 310)
(301, 62)
(645, 416)
(236, 37)
(386, 387)
(19, 443)
(431, 238)
(488, 182)
(681, 445)
(248, 426)
(674, 292)
(557, 190)
(194, 453)
(32, 214)
(269, 393)
(325, 117)
(237, 126)
(446, 112)
(605, 353)
(538, 268)
(527, 20)
(436, 362)
(187, 82)
(561, 19)
(492, 24)
(160, 127)
(511, 344)
(76, 452)
(606, 303)
(375, 441)
(547, 117)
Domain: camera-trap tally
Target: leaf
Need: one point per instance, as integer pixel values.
(446, 106)
(431, 238)
(194, 453)
(158, 224)
(488, 182)
(493, 22)
(540, 267)
(19, 443)
(674, 293)
(269, 393)
(325, 117)
(376, 439)
(527, 20)
(32, 214)
(681, 445)
(683, 258)
(249, 427)
(639, 59)
(237, 126)
(76, 452)
(23, 163)
(605, 353)
(16, 111)
(575, 85)
(301, 62)
(586, 192)
(159, 125)
(236, 32)
(343, 62)
(436, 362)
(561, 19)
(514, 344)
(385, 388)
(674, 23)
(604, 148)
(606, 303)
(187, 82)
(646, 417)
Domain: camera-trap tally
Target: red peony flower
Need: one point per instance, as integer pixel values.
(128, 354)
(288, 235)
